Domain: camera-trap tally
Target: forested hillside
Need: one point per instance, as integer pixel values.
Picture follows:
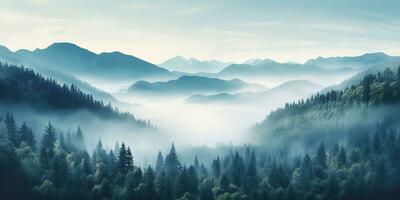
(22, 86)
(58, 166)
(336, 114)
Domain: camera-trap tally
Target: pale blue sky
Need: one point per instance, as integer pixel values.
(228, 30)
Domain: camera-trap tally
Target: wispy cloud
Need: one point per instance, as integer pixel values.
(135, 6)
(195, 10)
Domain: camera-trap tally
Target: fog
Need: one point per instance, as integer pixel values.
(189, 126)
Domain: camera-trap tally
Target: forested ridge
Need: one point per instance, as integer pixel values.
(58, 166)
(19, 85)
(363, 165)
(338, 112)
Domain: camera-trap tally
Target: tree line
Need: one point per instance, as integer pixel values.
(58, 166)
(20, 85)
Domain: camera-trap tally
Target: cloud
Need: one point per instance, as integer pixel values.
(135, 6)
(37, 1)
(194, 10)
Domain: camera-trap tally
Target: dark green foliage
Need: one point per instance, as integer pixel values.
(125, 160)
(47, 146)
(19, 85)
(216, 167)
(364, 166)
(159, 163)
(27, 136)
(13, 135)
(172, 164)
(343, 173)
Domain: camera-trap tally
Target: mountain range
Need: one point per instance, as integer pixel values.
(365, 61)
(287, 91)
(73, 60)
(192, 65)
(187, 85)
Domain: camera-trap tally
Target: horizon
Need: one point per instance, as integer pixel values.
(287, 60)
(224, 30)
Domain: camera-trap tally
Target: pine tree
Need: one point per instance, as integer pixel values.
(100, 153)
(237, 170)
(216, 167)
(306, 172)
(151, 192)
(172, 165)
(79, 141)
(47, 146)
(122, 160)
(182, 183)
(196, 163)
(129, 160)
(320, 159)
(27, 136)
(159, 163)
(193, 182)
(251, 182)
(12, 132)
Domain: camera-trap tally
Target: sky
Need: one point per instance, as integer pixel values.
(226, 30)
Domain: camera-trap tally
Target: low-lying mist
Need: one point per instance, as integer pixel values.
(189, 126)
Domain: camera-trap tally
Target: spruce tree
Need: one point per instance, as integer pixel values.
(122, 160)
(129, 160)
(79, 142)
(172, 165)
(251, 182)
(216, 167)
(27, 136)
(320, 159)
(47, 146)
(12, 132)
(159, 163)
(151, 192)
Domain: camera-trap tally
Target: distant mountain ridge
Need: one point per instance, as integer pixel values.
(71, 59)
(192, 65)
(190, 85)
(273, 68)
(364, 61)
(287, 91)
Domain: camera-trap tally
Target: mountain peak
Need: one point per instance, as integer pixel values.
(258, 61)
(66, 47)
(63, 45)
(380, 54)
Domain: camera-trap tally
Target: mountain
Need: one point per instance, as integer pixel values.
(365, 61)
(71, 59)
(22, 88)
(272, 68)
(187, 85)
(257, 61)
(192, 65)
(359, 76)
(372, 103)
(287, 91)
